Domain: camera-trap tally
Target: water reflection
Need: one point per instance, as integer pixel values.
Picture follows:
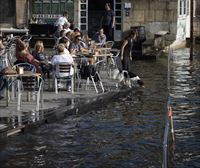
(186, 105)
(125, 132)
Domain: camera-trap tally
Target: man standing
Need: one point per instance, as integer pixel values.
(108, 22)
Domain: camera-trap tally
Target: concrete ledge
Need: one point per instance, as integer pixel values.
(64, 109)
(178, 44)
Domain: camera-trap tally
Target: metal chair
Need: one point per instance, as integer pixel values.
(109, 44)
(33, 84)
(3, 59)
(114, 57)
(90, 73)
(26, 66)
(63, 71)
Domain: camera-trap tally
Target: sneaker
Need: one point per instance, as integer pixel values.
(69, 89)
(60, 85)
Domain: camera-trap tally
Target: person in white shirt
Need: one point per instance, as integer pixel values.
(62, 57)
(62, 20)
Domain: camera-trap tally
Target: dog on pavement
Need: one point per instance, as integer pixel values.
(126, 78)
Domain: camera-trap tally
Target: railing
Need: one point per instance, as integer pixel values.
(169, 116)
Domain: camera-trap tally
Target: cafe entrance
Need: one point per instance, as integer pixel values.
(91, 12)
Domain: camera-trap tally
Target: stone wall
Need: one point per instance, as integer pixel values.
(7, 13)
(197, 19)
(155, 15)
(21, 13)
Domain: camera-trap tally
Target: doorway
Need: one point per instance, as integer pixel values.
(95, 12)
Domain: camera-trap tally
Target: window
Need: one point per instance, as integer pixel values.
(83, 15)
(183, 7)
(7, 11)
(49, 10)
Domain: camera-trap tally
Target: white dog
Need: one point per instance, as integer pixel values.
(126, 78)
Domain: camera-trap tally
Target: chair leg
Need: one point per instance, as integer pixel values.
(56, 85)
(87, 83)
(94, 84)
(19, 101)
(37, 101)
(102, 86)
(41, 99)
(100, 82)
(19, 96)
(72, 83)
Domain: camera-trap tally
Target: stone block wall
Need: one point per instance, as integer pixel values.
(7, 13)
(155, 15)
(21, 13)
(197, 19)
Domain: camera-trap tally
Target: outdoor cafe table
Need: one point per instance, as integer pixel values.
(93, 57)
(13, 77)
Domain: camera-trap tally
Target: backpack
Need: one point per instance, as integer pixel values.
(89, 71)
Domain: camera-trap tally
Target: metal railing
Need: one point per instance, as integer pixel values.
(169, 115)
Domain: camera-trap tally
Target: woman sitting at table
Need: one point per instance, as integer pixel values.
(23, 56)
(77, 45)
(38, 54)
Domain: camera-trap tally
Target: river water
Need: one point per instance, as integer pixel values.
(185, 96)
(125, 132)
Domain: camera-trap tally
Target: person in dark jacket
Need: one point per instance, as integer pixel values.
(108, 22)
(126, 50)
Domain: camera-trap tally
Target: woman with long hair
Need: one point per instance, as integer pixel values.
(126, 50)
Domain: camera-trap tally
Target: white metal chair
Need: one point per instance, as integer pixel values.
(26, 66)
(63, 71)
(109, 44)
(3, 59)
(90, 73)
(33, 84)
(114, 57)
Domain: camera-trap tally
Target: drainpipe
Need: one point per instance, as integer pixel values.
(191, 29)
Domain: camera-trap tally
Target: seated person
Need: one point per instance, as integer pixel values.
(38, 54)
(76, 32)
(99, 37)
(2, 86)
(1, 44)
(66, 27)
(62, 33)
(23, 55)
(66, 41)
(86, 41)
(77, 46)
(62, 58)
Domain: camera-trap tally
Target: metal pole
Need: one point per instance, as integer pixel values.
(191, 29)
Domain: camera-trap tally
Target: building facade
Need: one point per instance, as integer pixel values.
(154, 15)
